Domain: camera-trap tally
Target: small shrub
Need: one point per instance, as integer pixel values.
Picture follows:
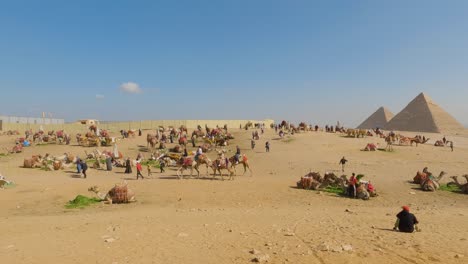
(81, 201)
(450, 188)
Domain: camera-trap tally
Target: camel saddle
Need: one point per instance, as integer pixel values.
(119, 194)
(187, 162)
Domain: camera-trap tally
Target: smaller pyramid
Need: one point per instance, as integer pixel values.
(423, 115)
(378, 119)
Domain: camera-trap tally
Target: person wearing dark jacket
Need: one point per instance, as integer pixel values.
(128, 166)
(84, 168)
(108, 163)
(406, 221)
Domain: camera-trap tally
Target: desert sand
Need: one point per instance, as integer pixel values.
(214, 221)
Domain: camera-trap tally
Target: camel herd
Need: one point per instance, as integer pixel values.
(314, 181)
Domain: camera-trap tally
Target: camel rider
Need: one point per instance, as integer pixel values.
(222, 159)
(199, 152)
(238, 153)
(406, 221)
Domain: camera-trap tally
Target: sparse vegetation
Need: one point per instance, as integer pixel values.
(334, 189)
(450, 188)
(81, 201)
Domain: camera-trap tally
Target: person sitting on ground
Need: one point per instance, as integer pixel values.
(406, 221)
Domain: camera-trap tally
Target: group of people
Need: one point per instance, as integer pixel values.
(406, 221)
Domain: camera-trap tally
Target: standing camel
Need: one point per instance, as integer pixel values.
(242, 160)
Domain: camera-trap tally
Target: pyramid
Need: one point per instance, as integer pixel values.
(423, 115)
(378, 119)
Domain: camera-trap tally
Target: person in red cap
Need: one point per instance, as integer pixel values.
(406, 221)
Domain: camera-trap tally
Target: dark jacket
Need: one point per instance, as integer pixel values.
(407, 221)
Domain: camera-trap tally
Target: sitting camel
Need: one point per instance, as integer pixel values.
(431, 183)
(34, 162)
(242, 160)
(425, 174)
(118, 194)
(463, 187)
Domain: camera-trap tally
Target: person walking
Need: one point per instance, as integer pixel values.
(451, 145)
(84, 168)
(193, 141)
(252, 144)
(78, 165)
(128, 166)
(267, 146)
(139, 168)
(148, 167)
(342, 163)
(406, 222)
(139, 132)
(162, 164)
(108, 163)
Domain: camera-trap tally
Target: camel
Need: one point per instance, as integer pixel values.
(356, 133)
(197, 133)
(118, 194)
(242, 160)
(422, 176)
(463, 187)
(439, 143)
(183, 141)
(315, 181)
(131, 132)
(404, 141)
(185, 163)
(418, 140)
(361, 192)
(176, 149)
(34, 162)
(370, 147)
(220, 165)
(203, 159)
(151, 140)
(431, 183)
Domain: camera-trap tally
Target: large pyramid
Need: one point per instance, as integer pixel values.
(423, 115)
(379, 119)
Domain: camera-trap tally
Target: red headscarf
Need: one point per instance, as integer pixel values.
(405, 207)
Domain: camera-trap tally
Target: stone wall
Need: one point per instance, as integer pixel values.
(143, 124)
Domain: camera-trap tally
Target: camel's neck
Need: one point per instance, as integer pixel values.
(100, 195)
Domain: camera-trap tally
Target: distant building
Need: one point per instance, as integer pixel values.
(88, 122)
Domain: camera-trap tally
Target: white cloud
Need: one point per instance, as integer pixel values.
(130, 87)
(99, 96)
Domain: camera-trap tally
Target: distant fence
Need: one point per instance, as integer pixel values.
(30, 120)
(143, 124)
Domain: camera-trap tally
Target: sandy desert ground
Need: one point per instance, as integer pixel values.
(214, 221)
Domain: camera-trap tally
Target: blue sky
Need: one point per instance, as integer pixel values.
(317, 61)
